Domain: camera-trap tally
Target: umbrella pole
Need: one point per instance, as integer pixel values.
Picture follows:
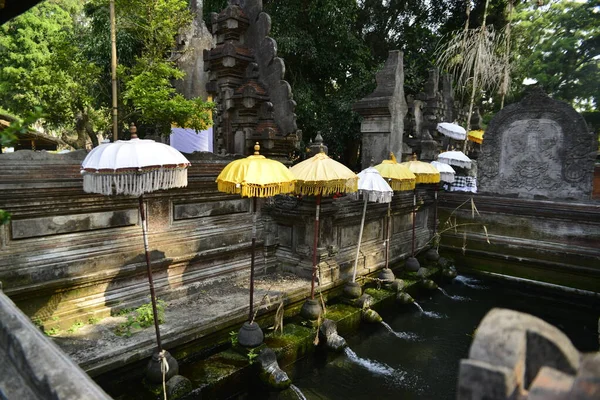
(251, 316)
(435, 210)
(414, 220)
(315, 243)
(387, 231)
(150, 281)
(360, 232)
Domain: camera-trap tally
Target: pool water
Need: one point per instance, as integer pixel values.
(417, 355)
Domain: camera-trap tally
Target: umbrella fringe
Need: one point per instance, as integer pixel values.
(428, 178)
(397, 185)
(255, 190)
(134, 184)
(324, 188)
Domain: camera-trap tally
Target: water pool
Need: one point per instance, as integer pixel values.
(418, 357)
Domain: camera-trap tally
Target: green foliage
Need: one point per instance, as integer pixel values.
(52, 331)
(252, 354)
(141, 317)
(93, 320)
(57, 56)
(233, 338)
(76, 326)
(558, 44)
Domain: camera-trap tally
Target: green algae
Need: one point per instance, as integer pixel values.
(379, 294)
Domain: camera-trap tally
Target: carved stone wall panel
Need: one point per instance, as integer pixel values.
(60, 224)
(68, 255)
(538, 148)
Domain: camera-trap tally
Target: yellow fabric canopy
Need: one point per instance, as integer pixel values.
(255, 176)
(476, 136)
(322, 175)
(398, 175)
(424, 172)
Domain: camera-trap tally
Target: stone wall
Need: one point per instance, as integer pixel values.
(548, 241)
(67, 256)
(33, 367)
(339, 229)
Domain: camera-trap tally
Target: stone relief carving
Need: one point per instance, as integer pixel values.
(538, 147)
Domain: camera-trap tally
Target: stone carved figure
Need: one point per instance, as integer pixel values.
(538, 147)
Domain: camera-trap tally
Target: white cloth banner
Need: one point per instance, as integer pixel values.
(188, 141)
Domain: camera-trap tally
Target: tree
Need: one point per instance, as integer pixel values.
(558, 45)
(42, 68)
(56, 56)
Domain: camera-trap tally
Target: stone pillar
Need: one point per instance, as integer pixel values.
(383, 113)
(191, 42)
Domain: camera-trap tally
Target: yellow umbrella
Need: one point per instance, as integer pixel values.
(476, 136)
(425, 173)
(400, 178)
(254, 176)
(321, 176)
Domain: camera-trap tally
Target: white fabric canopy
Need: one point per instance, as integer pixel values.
(455, 157)
(188, 141)
(451, 130)
(372, 185)
(447, 173)
(133, 167)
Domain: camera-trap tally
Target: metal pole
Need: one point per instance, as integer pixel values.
(435, 210)
(315, 243)
(414, 220)
(150, 281)
(113, 69)
(387, 229)
(251, 315)
(360, 232)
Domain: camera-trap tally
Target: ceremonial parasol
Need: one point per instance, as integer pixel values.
(456, 158)
(254, 176)
(132, 168)
(400, 178)
(320, 176)
(373, 188)
(446, 171)
(425, 173)
(476, 136)
(451, 130)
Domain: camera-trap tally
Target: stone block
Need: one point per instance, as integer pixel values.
(550, 384)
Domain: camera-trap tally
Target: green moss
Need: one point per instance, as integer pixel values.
(378, 294)
(338, 312)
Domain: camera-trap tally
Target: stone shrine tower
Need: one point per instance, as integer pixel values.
(254, 103)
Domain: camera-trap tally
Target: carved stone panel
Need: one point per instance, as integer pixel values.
(538, 148)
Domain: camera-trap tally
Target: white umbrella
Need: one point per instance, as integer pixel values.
(451, 130)
(446, 171)
(132, 168)
(373, 188)
(455, 157)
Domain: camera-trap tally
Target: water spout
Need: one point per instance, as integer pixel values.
(401, 335)
(298, 392)
(373, 366)
(453, 297)
(418, 306)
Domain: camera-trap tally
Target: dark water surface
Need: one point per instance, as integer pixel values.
(384, 365)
